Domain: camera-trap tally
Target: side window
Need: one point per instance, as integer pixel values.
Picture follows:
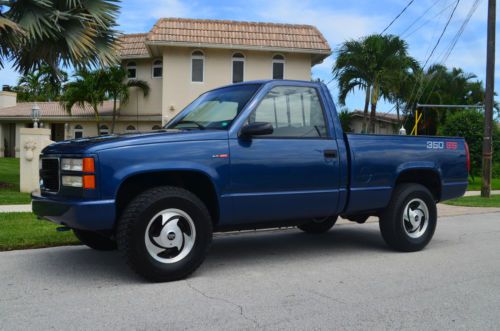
(238, 68)
(157, 69)
(293, 112)
(103, 130)
(278, 67)
(197, 64)
(131, 70)
(78, 131)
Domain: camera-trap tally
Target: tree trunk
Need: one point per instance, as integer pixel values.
(373, 112)
(97, 119)
(365, 110)
(114, 116)
(397, 112)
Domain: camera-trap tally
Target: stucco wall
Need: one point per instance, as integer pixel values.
(179, 91)
(137, 103)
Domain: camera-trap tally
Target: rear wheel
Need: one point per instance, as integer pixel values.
(409, 222)
(95, 240)
(319, 225)
(165, 233)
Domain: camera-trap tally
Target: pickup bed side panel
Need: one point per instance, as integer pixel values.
(378, 160)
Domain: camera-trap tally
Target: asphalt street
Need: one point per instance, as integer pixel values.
(346, 279)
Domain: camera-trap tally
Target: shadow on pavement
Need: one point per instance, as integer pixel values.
(80, 265)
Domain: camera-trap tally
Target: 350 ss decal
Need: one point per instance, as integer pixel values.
(442, 145)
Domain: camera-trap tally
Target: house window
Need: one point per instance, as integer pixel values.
(103, 130)
(278, 67)
(78, 131)
(130, 128)
(156, 127)
(238, 67)
(131, 70)
(197, 66)
(157, 69)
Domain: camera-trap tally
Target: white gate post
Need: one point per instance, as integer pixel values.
(31, 144)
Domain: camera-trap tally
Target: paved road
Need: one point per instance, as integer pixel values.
(346, 279)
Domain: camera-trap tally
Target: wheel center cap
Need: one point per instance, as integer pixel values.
(171, 236)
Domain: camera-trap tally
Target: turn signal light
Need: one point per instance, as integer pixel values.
(89, 182)
(88, 164)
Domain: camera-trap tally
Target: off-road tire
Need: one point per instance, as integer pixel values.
(391, 219)
(95, 240)
(319, 226)
(133, 224)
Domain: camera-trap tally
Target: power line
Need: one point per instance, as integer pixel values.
(397, 16)
(418, 18)
(426, 22)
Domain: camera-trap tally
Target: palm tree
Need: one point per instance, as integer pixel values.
(41, 85)
(87, 88)
(118, 88)
(369, 64)
(352, 72)
(77, 33)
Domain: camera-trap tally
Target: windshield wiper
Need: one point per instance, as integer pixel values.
(201, 127)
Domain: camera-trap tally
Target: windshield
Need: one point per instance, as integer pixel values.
(215, 109)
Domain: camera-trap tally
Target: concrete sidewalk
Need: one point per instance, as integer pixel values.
(15, 208)
(475, 193)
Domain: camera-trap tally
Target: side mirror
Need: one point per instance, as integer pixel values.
(256, 129)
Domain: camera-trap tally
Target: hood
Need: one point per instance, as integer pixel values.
(95, 144)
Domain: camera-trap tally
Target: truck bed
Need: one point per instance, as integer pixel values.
(377, 160)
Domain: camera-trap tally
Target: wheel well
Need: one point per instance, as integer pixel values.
(426, 177)
(195, 182)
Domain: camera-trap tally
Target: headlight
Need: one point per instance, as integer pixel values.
(72, 164)
(73, 181)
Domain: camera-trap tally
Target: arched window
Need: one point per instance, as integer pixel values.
(131, 70)
(78, 131)
(103, 130)
(197, 66)
(157, 71)
(156, 127)
(130, 128)
(278, 67)
(238, 67)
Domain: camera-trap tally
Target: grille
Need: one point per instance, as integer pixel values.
(49, 175)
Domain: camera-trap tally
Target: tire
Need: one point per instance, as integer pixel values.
(95, 240)
(165, 233)
(409, 221)
(319, 225)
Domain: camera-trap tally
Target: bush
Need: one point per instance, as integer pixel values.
(496, 170)
(469, 124)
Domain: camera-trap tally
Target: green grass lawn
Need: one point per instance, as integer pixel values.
(9, 183)
(24, 230)
(475, 201)
(476, 185)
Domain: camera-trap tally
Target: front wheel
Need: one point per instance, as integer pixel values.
(319, 225)
(165, 233)
(409, 222)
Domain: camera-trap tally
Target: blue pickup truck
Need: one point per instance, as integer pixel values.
(259, 154)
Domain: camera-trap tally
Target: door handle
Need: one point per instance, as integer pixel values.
(330, 153)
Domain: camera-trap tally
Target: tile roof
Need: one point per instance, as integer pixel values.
(223, 33)
(380, 116)
(54, 109)
(132, 45)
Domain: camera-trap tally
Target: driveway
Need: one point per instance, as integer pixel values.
(346, 279)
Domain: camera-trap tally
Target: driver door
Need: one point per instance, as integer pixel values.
(292, 173)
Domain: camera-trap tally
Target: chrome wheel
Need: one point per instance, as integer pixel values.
(170, 236)
(415, 218)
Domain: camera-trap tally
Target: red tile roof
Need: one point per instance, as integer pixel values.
(223, 33)
(54, 109)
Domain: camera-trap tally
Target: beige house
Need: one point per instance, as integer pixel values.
(180, 59)
(384, 123)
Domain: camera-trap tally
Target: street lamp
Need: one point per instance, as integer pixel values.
(35, 115)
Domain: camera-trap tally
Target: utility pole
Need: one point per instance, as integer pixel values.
(488, 102)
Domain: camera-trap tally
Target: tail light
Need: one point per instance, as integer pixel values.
(467, 156)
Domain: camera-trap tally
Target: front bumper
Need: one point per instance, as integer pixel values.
(89, 215)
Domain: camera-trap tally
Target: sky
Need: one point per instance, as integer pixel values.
(420, 25)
